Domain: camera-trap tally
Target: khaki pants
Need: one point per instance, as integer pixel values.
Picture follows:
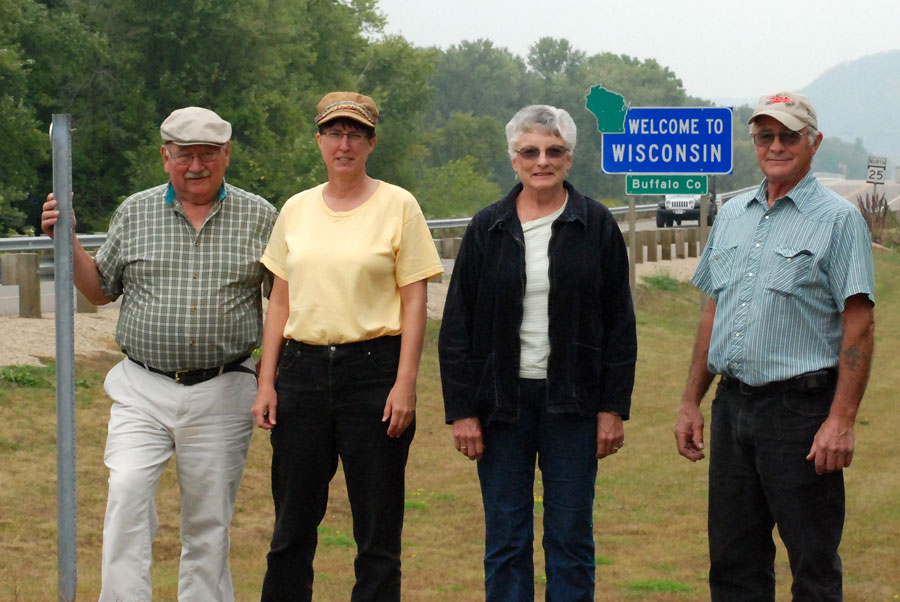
(208, 427)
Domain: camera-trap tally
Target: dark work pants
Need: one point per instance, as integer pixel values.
(758, 478)
(330, 405)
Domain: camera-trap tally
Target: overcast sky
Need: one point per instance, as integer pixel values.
(720, 49)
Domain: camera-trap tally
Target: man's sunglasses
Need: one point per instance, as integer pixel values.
(787, 138)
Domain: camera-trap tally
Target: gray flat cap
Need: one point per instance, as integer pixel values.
(195, 125)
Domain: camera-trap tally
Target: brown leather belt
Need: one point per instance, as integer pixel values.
(808, 382)
(195, 377)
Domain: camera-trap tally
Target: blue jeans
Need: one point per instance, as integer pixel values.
(566, 447)
(759, 477)
(330, 404)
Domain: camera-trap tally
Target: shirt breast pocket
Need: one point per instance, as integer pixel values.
(790, 270)
(721, 266)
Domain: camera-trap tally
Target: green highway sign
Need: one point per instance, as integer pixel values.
(665, 184)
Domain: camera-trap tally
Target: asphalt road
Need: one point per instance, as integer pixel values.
(9, 298)
(849, 189)
(852, 189)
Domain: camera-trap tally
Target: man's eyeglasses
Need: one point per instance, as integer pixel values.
(530, 153)
(207, 156)
(787, 138)
(352, 137)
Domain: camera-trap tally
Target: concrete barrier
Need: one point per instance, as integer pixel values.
(8, 269)
(639, 248)
(680, 242)
(29, 283)
(439, 246)
(665, 240)
(450, 247)
(666, 245)
(693, 239)
(82, 305)
(651, 238)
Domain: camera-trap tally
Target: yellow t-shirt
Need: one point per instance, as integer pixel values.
(344, 269)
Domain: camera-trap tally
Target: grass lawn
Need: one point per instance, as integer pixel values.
(650, 510)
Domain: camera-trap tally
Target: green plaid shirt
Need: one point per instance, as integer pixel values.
(189, 299)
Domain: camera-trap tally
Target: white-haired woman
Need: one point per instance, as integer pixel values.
(537, 350)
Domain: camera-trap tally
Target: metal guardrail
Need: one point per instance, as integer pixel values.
(20, 244)
(23, 244)
(727, 195)
(445, 224)
(649, 208)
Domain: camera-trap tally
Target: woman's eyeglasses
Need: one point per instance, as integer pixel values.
(336, 136)
(530, 153)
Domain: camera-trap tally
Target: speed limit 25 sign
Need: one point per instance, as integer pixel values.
(875, 170)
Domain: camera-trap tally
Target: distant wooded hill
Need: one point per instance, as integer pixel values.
(861, 99)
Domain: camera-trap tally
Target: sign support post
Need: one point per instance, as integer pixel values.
(67, 556)
(632, 250)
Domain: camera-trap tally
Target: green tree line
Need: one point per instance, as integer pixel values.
(120, 66)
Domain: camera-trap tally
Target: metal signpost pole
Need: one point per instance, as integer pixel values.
(61, 137)
(704, 216)
(632, 248)
(704, 234)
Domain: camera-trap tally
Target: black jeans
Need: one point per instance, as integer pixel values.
(759, 477)
(330, 404)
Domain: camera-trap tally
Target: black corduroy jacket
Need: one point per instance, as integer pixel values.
(593, 342)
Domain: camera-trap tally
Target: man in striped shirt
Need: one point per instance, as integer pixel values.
(790, 329)
(184, 257)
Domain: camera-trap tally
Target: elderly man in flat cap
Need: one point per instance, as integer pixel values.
(790, 329)
(184, 257)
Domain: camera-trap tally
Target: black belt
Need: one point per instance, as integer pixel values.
(808, 382)
(368, 344)
(195, 377)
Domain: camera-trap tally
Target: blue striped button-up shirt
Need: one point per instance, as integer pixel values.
(779, 276)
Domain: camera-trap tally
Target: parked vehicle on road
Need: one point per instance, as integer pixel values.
(677, 207)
